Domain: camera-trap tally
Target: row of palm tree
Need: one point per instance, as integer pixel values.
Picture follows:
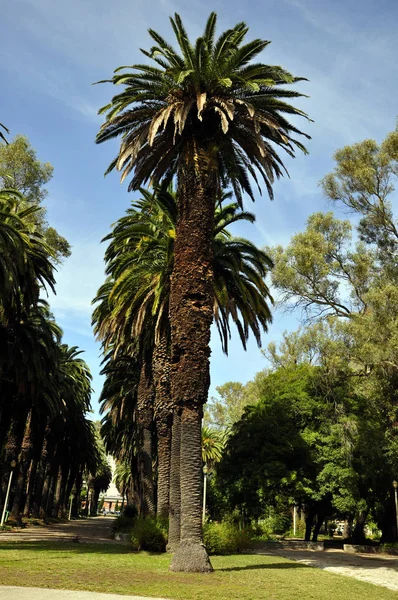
(131, 319)
(46, 441)
(209, 118)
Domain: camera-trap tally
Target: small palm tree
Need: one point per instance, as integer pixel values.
(213, 443)
(208, 117)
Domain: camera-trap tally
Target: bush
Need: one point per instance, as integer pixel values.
(274, 524)
(149, 534)
(130, 511)
(225, 538)
(123, 524)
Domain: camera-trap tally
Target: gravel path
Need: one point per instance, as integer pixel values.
(373, 569)
(93, 530)
(28, 593)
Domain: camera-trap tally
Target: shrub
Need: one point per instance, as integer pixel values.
(225, 538)
(149, 534)
(130, 511)
(274, 524)
(123, 523)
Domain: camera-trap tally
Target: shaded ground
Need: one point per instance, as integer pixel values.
(93, 530)
(373, 569)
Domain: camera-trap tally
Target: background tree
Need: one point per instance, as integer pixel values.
(20, 169)
(353, 287)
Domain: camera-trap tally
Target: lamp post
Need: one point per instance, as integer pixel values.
(294, 519)
(3, 516)
(395, 486)
(205, 471)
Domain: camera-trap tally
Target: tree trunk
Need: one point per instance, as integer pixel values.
(358, 534)
(388, 525)
(175, 491)
(317, 527)
(11, 452)
(191, 315)
(347, 531)
(145, 395)
(309, 521)
(163, 412)
(58, 493)
(24, 461)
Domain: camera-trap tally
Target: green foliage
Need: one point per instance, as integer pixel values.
(275, 523)
(226, 410)
(212, 446)
(130, 511)
(149, 534)
(202, 97)
(225, 538)
(123, 524)
(21, 170)
(270, 431)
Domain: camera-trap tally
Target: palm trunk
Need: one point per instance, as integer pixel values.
(24, 461)
(175, 490)
(163, 412)
(11, 452)
(191, 315)
(58, 493)
(145, 420)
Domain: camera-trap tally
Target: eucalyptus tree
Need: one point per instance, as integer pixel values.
(208, 117)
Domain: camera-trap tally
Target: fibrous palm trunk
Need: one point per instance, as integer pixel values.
(11, 452)
(145, 395)
(191, 315)
(24, 461)
(175, 490)
(163, 412)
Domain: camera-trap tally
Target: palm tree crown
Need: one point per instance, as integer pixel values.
(206, 97)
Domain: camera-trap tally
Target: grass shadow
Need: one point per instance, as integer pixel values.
(287, 565)
(68, 546)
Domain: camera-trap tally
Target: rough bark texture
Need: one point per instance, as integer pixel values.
(163, 412)
(24, 461)
(319, 520)
(145, 397)
(347, 530)
(175, 491)
(191, 315)
(309, 521)
(58, 493)
(11, 451)
(358, 534)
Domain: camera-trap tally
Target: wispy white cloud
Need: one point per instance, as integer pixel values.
(78, 280)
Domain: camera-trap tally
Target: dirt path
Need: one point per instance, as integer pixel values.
(93, 530)
(373, 569)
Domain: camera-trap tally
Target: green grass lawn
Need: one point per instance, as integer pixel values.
(106, 568)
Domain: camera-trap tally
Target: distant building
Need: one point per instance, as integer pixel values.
(111, 497)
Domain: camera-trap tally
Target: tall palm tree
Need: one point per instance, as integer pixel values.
(208, 117)
(136, 296)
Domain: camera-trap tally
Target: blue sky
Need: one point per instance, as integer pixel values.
(51, 51)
